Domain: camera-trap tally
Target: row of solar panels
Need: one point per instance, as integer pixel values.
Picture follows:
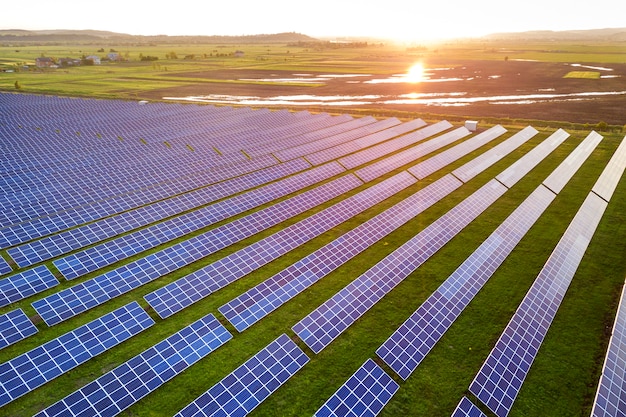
(236, 262)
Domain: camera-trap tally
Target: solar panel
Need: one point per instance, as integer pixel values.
(424, 169)
(118, 389)
(327, 322)
(500, 378)
(557, 180)
(365, 393)
(256, 303)
(251, 383)
(32, 369)
(610, 398)
(15, 326)
(407, 156)
(408, 346)
(467, 409)
(606, 184)
(526, 163)
(183, 292)
(23, 285)
(81, 297)
(478, 165)
(5, 268)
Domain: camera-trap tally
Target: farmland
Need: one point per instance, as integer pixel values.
(564, 377)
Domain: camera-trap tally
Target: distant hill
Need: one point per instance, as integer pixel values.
(609, 34)
(18, 36)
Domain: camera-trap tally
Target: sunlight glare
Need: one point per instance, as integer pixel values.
(416, 73)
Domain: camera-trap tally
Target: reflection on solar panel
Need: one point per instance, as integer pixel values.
(15, 326)
(123, 247)
(424, 169)
(493, 155)
(259, 301)
(501, 376)
(250, 384)
(32, 369)
(365, 393)
(611, 397)
(76, 238)
(5, 268)
(328, 321)
(408, 346)
(515, 172)
(81, 297)
(407, 156)
(377, 151)
(182, 293)
(606, 184)
(118, 389)
(22, 285)
(467, 409)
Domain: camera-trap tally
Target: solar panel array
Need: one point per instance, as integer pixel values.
(327, 322)
(365, 393)
(15, 326)
(32, 369)
(118, 389)
(251, 383)
(199, 284)
(145, 175)
(405, 349)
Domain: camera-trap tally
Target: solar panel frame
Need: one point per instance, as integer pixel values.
(144, 373)
(251, 383)
(365, 393)
(15, 326)
(38, 366)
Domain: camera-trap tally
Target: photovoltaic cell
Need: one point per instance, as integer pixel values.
(424, 169)
(500, 378)
(256, 303)
(250, 384)
(118, 389)
(408, 346)
(32, 369)
(328, 321)
(199, 284)
(23, 285)
(467, 409)
(5, 268)
(81, 297)
(610, 398)
(365, 393)
(15, 326)
(606, 184)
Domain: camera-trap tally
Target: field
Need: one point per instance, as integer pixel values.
(564, 377)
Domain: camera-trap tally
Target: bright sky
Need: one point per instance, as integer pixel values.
(404, 20)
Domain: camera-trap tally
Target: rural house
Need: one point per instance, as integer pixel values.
(44, 62)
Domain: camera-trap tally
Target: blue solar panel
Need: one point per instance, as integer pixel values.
(32, 369)
(365, 393)
(606, 184)
(118, 389)
(467, 409)
(259, 301)
(5, 268)
(23, 285)
(15, 326)
(131, 244)
(424, 169)
(251, 383)
(500, 378)
(408, 346)
(610, 398)
(328, 321)
(199, 284)
(81, 297)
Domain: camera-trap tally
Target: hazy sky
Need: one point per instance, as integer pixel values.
(406, 19)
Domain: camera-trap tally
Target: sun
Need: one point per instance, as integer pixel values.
(415, 73)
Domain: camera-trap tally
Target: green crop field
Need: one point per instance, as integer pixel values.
(563, 379)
